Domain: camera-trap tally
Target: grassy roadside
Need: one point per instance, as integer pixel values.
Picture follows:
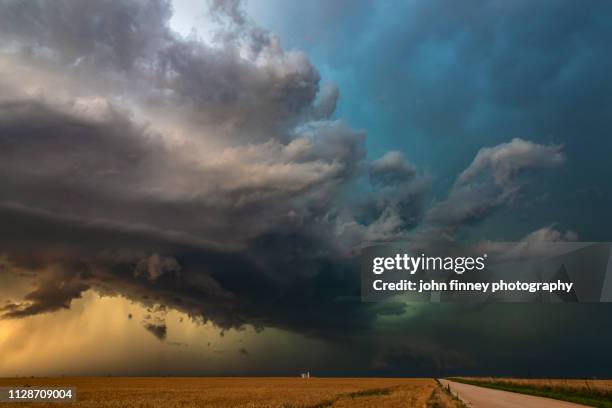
(442, 397)
(581, 395)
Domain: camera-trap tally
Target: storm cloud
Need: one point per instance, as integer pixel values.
(214, 177)
(494, 178)
(226, 208)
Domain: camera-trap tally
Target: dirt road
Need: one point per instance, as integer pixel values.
(480, 397)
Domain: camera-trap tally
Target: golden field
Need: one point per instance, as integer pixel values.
(170, 392)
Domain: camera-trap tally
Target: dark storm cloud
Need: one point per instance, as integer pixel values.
(237, 233)
(51, 295)
(491, 64)
(394, 203)
(391, 168)
(440, 80)
(262, 286)
(158, 330)
(494, 177)
(411, 360)
(103, 33)
(204, 177)
(445, 80)
(505, 339)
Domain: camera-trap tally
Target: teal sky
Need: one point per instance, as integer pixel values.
(439, 82)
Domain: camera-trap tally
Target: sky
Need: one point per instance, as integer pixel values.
(192, 181)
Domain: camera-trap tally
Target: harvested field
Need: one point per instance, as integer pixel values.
(115, 392)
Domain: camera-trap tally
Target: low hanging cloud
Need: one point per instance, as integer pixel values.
(51, 294)
(207, 177)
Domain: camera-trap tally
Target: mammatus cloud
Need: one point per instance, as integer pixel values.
(208, 177)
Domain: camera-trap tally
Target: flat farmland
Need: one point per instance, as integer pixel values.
(582, 384)
(595, 393)
(115, 392)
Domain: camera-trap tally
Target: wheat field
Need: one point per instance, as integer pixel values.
(174, 392)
